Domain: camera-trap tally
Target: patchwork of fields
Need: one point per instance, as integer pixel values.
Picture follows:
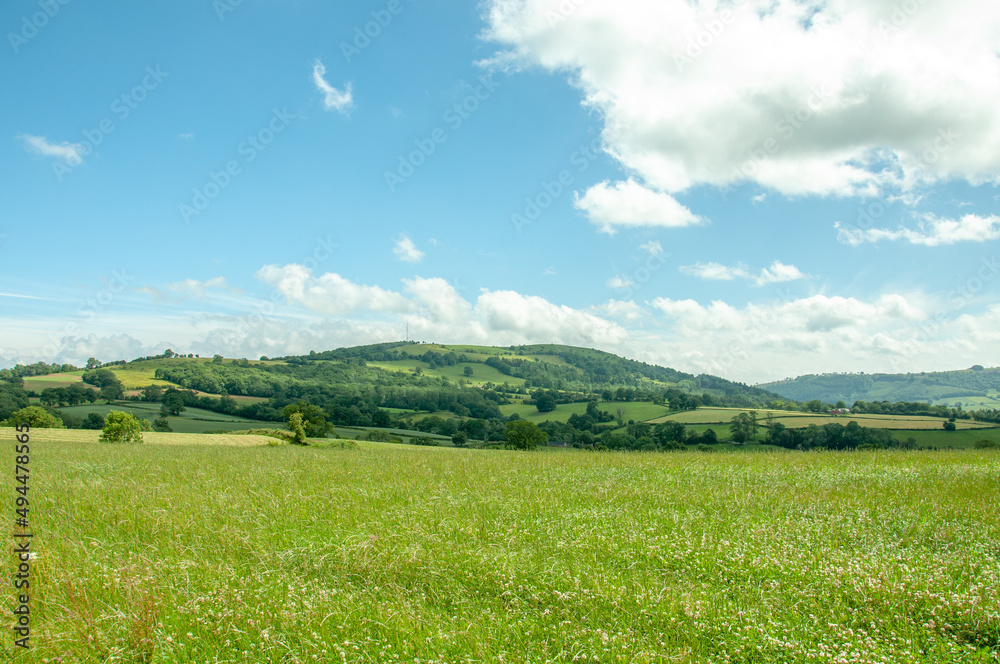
(181, 553)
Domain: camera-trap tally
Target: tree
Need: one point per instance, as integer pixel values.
(524, 435)
(34, 417)
(173, 404)
(121, 427)
(459, 439)
(298, 433)
(93, 421)
(217, 359)
(111, 392)
(467, 371)
(544, 402)
(161, 424)
(620, 415)
(93, 363)
(743, 427)
(949, 426)
(314, 419)
(152, 393)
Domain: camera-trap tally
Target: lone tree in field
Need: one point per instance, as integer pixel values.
(524, 435)
(121, 428)
(298, 432)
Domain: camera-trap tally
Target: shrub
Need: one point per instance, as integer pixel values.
(121, 428)
(35, 417)
(161, 424)
(426, 440)
(985, 444)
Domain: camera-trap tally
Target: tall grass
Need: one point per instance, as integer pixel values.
(160, 553)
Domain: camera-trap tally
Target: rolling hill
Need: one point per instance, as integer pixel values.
(973, 388)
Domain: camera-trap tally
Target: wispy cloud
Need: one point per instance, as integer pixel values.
(931, 232)
(777, 272)
(406, 251)
(69, 153)
(333, 99)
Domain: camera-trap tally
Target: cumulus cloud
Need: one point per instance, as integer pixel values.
(68, 153)
(333, 99)
(778, 272)
(434, 308)
(842, 97)
(406, 250)
(930, 232)
(330, 293)
(629, 204)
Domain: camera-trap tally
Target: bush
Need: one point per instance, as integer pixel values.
(985, 444)
(121, 428)
(161, 424)
(34, 417)
(427, 441)
(94, 421)
(298, 432)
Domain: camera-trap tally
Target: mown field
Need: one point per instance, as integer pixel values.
(180, 553)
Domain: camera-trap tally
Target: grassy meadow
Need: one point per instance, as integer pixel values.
(181, 552)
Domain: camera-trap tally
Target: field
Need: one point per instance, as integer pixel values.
(39, 383)
(181, 553)
(796, 419)
(192, 420)
(480, 372)
(640, 411)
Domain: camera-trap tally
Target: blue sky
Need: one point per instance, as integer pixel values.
(750, 189)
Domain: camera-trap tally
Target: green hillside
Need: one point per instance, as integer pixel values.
(972, 388)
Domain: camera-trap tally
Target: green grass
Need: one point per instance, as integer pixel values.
(481, 373)
(797, 419)
(39, 383)
(640, 411)
(192, 420)
(174, 553)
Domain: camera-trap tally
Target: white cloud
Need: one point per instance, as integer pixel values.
(839, 97)
(534, 319)
(68, 153)
(333, 99)
(619, 281)
(330, 293)
(778, 272)
(406, 251)
(629, 204)
(182, 290)
(931, 232)
(653, 248)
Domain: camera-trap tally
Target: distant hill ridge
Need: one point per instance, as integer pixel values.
(974, 387)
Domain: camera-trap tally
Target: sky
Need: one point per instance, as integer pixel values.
(751, 189)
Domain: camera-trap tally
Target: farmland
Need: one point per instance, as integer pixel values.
(192, 420)
(180, 552)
